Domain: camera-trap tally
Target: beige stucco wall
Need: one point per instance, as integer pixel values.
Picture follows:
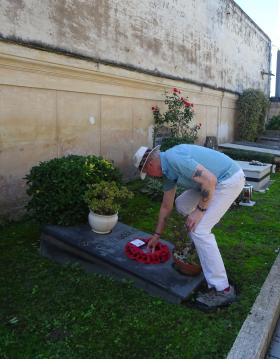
(274, 109)
(210, 42)
(48, 101)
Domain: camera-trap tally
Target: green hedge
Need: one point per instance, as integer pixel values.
(273, 123)
(252, 108)
(242, 155)
(56, 187)
(173, 141)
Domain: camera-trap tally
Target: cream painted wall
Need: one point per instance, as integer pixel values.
(47, 102)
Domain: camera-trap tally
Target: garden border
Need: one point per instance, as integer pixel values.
(257, 330)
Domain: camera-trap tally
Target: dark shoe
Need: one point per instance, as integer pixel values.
(214, 299)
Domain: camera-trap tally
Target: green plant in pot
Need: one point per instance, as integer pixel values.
(185, 258)
(104, 200)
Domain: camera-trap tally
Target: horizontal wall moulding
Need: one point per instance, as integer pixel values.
(17, 57)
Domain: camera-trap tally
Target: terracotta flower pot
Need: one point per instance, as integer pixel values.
(191, 269)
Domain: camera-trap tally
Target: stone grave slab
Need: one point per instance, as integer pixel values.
(257, 176)
(257, 148)
(105, 254)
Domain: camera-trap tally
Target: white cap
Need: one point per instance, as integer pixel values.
(141, 157)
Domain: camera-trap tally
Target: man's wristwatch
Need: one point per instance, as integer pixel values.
(201, 209)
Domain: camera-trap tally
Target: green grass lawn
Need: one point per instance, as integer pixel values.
(48, 311)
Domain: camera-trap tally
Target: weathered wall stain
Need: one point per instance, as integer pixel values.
(202, 41)
(14, 9)
(274, 109)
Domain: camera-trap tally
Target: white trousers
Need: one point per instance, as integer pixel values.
(210, 258)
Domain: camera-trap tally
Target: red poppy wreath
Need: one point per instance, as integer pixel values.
(160, 255)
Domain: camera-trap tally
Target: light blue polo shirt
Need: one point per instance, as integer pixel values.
(179, 163)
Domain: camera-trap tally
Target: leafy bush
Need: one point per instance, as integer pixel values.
(273, 123)
(242, 155)
(57, 187)
(177, 117)
(173, 141)
(106, 197)
(252, 106)
(152, 187)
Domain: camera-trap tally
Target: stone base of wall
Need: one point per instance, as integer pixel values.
(53, 105)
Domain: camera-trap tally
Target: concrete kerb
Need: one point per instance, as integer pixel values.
(256, 332)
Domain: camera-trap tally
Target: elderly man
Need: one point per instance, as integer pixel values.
(212, 181)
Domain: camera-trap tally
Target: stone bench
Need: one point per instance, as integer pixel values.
(257, 176)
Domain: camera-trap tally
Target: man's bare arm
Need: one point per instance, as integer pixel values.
(207, 181)
(165, 209)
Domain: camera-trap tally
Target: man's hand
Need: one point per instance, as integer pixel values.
(193, 219)
(153, 242)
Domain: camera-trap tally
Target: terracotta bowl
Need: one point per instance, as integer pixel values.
(190, 269)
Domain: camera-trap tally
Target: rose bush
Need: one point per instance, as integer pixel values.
(178, 118)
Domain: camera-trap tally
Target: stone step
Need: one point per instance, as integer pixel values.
(104, 253)
(273, 133)
(269, 144)
(269, 138)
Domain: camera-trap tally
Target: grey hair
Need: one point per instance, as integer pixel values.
(154, 155)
